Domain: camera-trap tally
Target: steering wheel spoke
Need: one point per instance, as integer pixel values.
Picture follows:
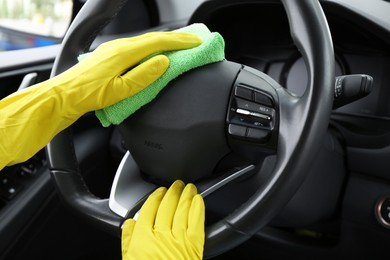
(207, 187)
(129, 190)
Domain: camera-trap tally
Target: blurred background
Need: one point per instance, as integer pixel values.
(33, 23)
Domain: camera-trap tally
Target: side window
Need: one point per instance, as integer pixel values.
(33, 23)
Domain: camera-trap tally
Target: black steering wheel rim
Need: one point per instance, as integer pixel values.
(296, 147)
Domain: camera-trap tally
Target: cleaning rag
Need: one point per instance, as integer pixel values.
(209, 51)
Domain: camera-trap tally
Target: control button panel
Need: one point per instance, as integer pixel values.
(9, 188)
(251, 114)
(15, 179)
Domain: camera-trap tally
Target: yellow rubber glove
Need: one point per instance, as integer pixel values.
(30, 118)
(170, 226)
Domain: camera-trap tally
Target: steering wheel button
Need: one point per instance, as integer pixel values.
(245, 105)
(257, 134)
(263, 99)
(254, 107)
(243, 112)
(260, 116)
(243, 92)
(237, 130)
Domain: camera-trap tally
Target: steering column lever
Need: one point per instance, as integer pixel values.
(349, 88)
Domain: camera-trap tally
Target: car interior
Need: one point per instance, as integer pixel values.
(308, 180)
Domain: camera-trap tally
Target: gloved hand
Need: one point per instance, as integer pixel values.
(30, 118)
(170, 226)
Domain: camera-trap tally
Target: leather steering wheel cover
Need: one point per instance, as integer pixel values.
(92, 18)
(311, 34)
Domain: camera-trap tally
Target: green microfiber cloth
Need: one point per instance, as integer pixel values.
(210, 50)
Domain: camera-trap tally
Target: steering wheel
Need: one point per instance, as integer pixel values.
(223, 112)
